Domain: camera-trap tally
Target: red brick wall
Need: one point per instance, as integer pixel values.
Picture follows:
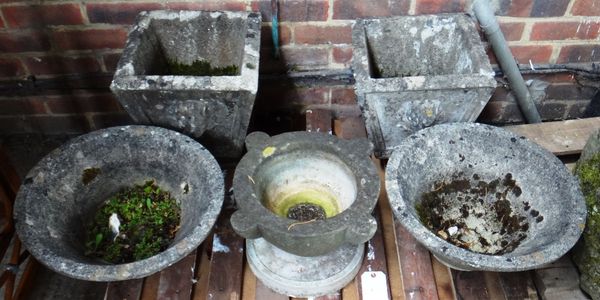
(46, 39)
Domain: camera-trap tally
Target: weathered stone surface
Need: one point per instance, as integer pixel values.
(289, 163)
(214, 109)
(587, 252)
(54, 204)
(439, 152)
(416, 71)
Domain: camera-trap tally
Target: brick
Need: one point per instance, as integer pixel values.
(100, 121)
(266, 38)
(439, 6)
(343, 96)
(570, 92)
(553, 111)
(21, 106)
(352, 9)
(579, 54)
(90, 39)
(44, 124)
(549, 8)
(501, 113)
(208, 5)
(313, 34)
(45, 65)
(515, 8)
(342, 55)
(537, 54)
(110, 61)
(117, 13)
(512, 31)
(564, 30)
(583, 109)
(562, 77)
(22, 16)
(2, 25)
(294, 10)
(302, 57)
(586, 8)
(23, 41)
(11, 67)
(82, 103)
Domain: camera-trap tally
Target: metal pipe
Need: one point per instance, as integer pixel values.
(490, 26)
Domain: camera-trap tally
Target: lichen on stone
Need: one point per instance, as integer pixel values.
(587, 252)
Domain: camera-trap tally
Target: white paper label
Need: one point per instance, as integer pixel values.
(374, 286)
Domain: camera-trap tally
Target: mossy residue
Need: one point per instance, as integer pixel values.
(587, 254)
(307, 198)
(149, 218)
(201, 68)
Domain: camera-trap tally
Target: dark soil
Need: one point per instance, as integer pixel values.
(475, 214)
(306, 212)
(149, 219)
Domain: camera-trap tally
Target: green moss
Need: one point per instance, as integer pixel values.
(201, 68)
(149, 219)
(587, 253)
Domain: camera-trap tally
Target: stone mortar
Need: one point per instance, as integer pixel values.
(54, 205)
(438, 152)
(303, 160)
(417, 71)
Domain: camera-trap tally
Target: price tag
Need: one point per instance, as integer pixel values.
(374, 286)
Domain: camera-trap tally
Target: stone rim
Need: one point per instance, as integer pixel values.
(460, 258)
(138, 269)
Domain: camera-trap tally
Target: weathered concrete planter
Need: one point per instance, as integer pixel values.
(214, 109)
(416, 71)
(442, 151)
(54, 204)
(321, 170)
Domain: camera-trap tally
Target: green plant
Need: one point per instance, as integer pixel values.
(149, 218)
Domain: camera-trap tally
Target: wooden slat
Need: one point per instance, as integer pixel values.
(150, 287)
(417, 270)
(176, 280)
(226, 261)
(443, 280)
(375, 260)
(470, 285)
(559, 280)
(518, 285)
(264, 293)
(127, 289)
(562, 137)
(248, 284)
(200, 289)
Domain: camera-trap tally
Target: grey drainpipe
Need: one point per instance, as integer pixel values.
(490, 26)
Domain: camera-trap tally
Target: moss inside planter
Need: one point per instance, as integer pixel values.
(148, 219)
(201, 68)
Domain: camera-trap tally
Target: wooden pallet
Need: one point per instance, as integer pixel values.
(396, 265)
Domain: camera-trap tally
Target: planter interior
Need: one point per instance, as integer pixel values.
(62, 193)
(484, 153)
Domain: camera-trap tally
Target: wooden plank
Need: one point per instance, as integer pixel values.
(492, 283)
(226, 261)
(350, 291)
(318, 120)
(26, 280)
(562, 137)
(249, 283)
(200, 289)
(374, 264)
(559, 280)
(443, 280)
(470, 285)
(417, 270)
(176, 281)
(150, 287)
(518, 285)
(124, 290)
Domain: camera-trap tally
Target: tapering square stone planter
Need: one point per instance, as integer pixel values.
(192, 71)
(416, 71)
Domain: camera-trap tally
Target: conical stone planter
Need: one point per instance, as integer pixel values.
(192, 71)
(63, 191)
